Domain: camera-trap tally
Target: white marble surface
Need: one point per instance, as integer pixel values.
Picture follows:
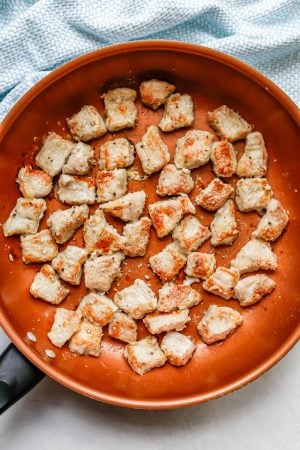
(262, 416)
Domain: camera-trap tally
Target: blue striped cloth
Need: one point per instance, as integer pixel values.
(38, 36)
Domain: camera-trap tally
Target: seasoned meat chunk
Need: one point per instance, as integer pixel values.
(253, 194)
(200, 265)
(38, 247)
(173, 181)
(25, 217)
(120, 109)
(87, 124)
(87, 340)
(65, 324)
(144, 355)
(53, 154)
(218, 322)
(252, 289)
(116, 154)
(97, 308)
(111, 184)
(64, 223)
(75, 190)
(68, 264)
(178, 112)
(34, 183)
(101, 271)
(228, 124)
(253, 162)
(193, 149)
(214, 195)
(80, 160)
(99, 236)
(128, 208)
(222, 282)
(123, 328)
(160, 322)
(178, 348)
(152, 151)
(154, 93)
(177, 296)
(167, 263)
(224, 228)
(47, 286)
(223, 157)
(255, 255)
(272, 223)
(190, 234)
(166, 214)
(136, 236)
(136, 300)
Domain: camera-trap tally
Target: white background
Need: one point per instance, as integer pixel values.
(262, 416)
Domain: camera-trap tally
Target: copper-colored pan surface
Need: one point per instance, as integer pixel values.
(269, 329)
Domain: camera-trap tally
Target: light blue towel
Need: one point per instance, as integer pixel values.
(37, 36)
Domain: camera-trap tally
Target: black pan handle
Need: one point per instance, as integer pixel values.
(17, 377)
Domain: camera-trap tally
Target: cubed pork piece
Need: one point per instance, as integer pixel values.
(177, 296)
(152, 151)
(53, 154)
(80, 160)
(222, 282)
(154, 93)
(214, 195)
(193, 149)
(64, 223)
(253, 288)
(218, 322)
(101, 271)
(25, 217)
(253, 194)
(111, 184)
(167, 263)
(173, 181)
(97, 308)
(136, 300)
(200, 265)
(224, 228)
(38, 247)
(99, 236)
(75, 190)
(144, 355)
(228, 124)
(87, 124)
(166, 214)
(157, 323)
(136, 236)
(68, 264)
(116, 154)
(48, 287)
(190, 234)
(123, 328)
(223, 157)
(178, 348)
(128, 208)
(255, 255)
(87, 340)
(65, 324)
(178, 112)
(34, 183)
(273, 222)
(120, 109)
(254, 160)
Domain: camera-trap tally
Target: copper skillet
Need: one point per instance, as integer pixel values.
(269, 330)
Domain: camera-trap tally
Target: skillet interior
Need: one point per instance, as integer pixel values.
(269, 328)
